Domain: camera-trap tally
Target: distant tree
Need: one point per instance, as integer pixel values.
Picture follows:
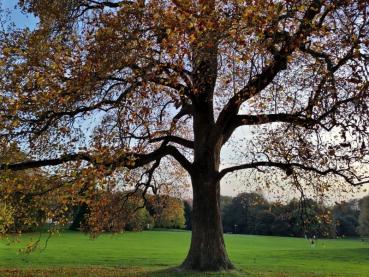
(116, 212)
(300, 218)
(167, 211)
(188, 214)
(79, 216)
(287, 218)
(240, 215)
(140, 220)
(264, 220)
(119, 211)
(317, 219)
(281, 227)
(346, 218)
(364, 217)
(347, 226)
(225, 201)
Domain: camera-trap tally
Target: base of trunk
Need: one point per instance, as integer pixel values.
(206, 264)
(207, 251)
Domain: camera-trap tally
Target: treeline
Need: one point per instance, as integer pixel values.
(130, 213)
(109, 212)
(247, 213)
(251, 213)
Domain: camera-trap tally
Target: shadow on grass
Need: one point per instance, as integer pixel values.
(140, 272)
(175, 272)
(115, 272)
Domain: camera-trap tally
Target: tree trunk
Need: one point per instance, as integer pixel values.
(207, 251)
(79, 217)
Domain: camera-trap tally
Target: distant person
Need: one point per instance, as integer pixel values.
(313, 241)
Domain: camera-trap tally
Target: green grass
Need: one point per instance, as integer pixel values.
(154, 253)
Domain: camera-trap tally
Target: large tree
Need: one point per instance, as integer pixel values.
(122, 88)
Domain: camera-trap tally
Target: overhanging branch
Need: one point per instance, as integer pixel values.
(127, 160)
(46, 162)
(288, 168)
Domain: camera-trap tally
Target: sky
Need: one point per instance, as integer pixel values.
(232, 185)
(17, 16)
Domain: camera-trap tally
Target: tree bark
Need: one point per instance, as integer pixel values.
(207, 251)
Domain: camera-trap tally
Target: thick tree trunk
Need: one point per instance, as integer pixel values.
(207, 251)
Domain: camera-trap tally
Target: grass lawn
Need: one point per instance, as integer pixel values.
(153, 253)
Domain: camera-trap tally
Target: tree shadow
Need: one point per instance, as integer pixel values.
(177, 272)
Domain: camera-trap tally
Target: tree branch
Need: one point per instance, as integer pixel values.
(296, 119)
(128, 160)
(279, 63)
(288, 168)
(184, 142)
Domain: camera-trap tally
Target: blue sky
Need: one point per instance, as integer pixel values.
(17, 16)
